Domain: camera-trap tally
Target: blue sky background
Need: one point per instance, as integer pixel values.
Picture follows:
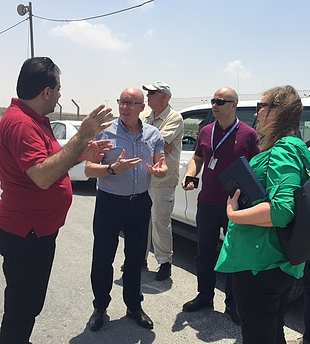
(195, 46)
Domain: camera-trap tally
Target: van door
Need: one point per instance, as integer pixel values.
(186, 201)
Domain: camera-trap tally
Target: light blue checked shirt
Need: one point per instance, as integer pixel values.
(136, 179)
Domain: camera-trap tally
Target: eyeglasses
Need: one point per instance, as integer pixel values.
(128, 103)
(220, 102)
(261, 105)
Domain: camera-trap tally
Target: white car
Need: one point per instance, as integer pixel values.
(63, 131)
(195, 117)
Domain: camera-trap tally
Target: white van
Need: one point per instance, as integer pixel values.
(184, 211)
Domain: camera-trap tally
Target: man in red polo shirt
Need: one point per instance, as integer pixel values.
(219, 145)
(36, 191)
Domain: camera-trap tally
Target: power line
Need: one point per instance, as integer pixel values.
(89, 18)
(13, 26)
(94, 17)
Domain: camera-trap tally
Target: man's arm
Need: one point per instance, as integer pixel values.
(193, 168)
(254, 145)
(94, 151)
(172, 129)
(97, 170)
(46, 173)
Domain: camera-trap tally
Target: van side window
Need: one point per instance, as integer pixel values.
(193, 122)
(246, 114)
(304, 126)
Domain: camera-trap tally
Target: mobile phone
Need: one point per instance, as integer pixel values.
(189, 179)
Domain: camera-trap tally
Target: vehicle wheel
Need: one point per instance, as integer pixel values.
(296, 291)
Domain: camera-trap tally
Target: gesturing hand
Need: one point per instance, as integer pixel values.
(95, 122)
(94, 151)
(157, 169)
(122, 164)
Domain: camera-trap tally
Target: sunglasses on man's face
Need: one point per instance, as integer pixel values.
(261, 105)
(151, 92)
(220, 102)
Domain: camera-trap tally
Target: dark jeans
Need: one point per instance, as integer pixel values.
(209, 220)
(306, 281)
(113, 214)
(261, 301)
(27, 265)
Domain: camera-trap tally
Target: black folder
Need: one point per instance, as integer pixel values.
(239, 175)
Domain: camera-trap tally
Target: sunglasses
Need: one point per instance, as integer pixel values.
(151, 92)
(49, 62)
(220, 102)
(261, 105)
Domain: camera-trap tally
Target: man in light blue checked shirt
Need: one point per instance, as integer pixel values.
(123, 203)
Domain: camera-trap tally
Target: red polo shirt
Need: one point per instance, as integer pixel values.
(242, 141)
(26, 139)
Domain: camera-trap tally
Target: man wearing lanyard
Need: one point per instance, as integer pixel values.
(219, 145)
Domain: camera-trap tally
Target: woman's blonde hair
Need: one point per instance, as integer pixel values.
(287, 117)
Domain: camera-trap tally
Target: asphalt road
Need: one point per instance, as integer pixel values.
(69, 299)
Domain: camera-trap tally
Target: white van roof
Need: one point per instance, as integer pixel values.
(241, 103)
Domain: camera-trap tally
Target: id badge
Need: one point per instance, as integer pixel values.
(212, 163)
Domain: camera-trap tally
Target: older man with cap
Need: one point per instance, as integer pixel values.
(162, 190)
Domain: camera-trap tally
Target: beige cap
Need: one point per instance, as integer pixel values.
(158, 86)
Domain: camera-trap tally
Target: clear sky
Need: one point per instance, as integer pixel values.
(196, 46)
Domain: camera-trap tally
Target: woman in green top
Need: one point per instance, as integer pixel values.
(262, 275)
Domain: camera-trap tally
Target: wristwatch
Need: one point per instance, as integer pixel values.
(110, 170)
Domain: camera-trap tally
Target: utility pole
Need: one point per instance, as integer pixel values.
(22, 10)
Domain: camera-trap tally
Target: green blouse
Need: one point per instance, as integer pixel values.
(249, 247)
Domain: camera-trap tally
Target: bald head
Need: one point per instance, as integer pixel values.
(225, 112)
(226, 93)
(134, 93)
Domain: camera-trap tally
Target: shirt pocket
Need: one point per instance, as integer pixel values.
(146, 152)
(168, 198)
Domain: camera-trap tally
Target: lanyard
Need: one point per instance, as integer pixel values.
(224, 138)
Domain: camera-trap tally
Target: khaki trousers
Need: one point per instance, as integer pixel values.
(160, 229)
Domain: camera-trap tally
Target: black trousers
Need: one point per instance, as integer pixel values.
(306, 282)
(27, 265)
(209, 220)
(261, 301)
(113, 214)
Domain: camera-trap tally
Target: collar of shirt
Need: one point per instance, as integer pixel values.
(217, 125)
(30, 112)
(150, 118)
(124, 127)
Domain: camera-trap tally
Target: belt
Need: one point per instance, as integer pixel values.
(132, 197)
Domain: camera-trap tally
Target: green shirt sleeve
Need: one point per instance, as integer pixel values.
(282, 179)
